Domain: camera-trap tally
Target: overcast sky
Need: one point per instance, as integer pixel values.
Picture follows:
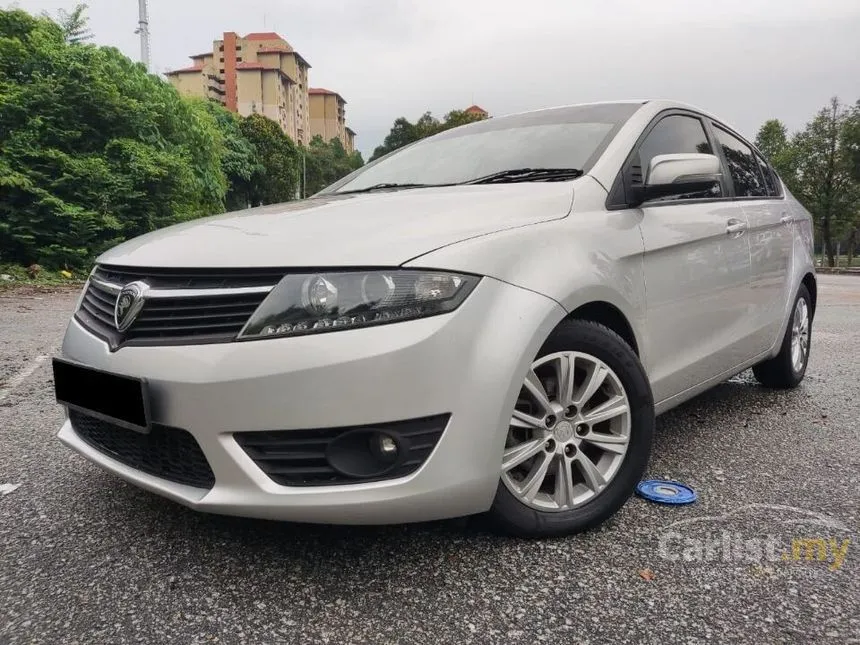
(745, 60)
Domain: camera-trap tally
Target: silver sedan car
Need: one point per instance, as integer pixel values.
(485, 321)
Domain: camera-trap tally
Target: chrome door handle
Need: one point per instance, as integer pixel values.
(735, 227)
(787, 220)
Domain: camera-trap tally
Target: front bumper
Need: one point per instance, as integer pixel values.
(469, 363)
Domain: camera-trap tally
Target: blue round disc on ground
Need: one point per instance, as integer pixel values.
(665, 492)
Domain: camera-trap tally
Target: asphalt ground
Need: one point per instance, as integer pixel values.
(86, 558)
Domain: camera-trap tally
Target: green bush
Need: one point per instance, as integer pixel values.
(93, 149)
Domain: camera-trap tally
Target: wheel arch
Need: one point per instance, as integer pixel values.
(811, 285)
(610, 316)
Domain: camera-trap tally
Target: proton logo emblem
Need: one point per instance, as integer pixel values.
(129, 302)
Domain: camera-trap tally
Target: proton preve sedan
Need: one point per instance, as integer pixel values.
(486, 321)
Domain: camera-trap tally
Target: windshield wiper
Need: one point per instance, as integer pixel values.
(528, 174)
(503, 177)
(385, 186)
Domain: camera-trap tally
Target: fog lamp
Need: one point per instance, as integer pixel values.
(387, 445)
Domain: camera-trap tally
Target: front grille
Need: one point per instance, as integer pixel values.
(205, 311)
(169, 453)
(298, 457)
(160, 278)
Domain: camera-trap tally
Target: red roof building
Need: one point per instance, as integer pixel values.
(261, 73)
(477, 110)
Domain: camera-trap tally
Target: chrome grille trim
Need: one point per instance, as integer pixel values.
(182, 293)
(176, 311)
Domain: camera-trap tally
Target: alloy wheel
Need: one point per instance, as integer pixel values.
(568, 434)
(800, 335)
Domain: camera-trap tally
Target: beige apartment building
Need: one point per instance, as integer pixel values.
(328, 118)
(260, 73)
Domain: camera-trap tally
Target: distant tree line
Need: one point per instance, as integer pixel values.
(94, 150)
(404, 132)
(821, 167)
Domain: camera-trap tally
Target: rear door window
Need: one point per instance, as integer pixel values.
(744, 168)
(770, 180)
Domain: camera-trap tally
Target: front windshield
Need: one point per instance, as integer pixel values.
(560, 138)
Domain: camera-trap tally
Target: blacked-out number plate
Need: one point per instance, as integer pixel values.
(119, 399)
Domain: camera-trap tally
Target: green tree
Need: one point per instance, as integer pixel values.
(75, 24)
(240, 162)
(93, 149)
(851, 140)
(773, 141)
(404, 132)
(325, 163)
(825, 180)
(851, 146)
(276, 175)
(456, 118)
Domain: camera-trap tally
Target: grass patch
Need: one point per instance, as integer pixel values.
(13, 276)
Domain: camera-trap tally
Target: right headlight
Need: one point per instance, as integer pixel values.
(311, 303)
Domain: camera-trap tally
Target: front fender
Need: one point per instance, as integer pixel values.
(590, 256)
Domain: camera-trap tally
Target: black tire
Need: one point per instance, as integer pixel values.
(778, 372)
(511, 516)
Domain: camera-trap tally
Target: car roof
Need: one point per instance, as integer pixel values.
(657, 105)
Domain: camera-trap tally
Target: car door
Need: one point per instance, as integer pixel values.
(759, 192)
(696, 266)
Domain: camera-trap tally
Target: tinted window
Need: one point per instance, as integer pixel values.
(770, 180)
(743, 166)
(672, 135)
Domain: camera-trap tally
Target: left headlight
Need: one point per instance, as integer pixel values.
(311, 303)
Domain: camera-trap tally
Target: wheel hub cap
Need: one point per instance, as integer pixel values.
(553, 463)
(563, 431)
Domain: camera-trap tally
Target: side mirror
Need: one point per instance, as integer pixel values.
(677, 174)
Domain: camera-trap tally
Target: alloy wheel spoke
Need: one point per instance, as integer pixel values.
(522, 420)
(613, 443)
(800, 316)
(593, 478)
(531, 485)
(616, 406)
(564, 485)
(515, 455)
(593, 380)
(536, 389)
(564, 368)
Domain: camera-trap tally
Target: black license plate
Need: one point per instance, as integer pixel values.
(119, 399)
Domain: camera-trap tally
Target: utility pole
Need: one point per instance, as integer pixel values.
(143, 30)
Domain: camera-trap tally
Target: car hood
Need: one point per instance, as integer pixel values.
(369, 229)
